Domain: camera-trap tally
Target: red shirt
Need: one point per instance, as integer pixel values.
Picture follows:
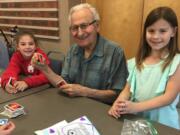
(18, 65)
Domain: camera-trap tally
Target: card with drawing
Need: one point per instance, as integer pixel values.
(80, 126)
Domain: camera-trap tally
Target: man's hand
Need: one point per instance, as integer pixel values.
(74, 90)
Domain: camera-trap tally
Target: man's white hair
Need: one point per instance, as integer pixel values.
(83, 6)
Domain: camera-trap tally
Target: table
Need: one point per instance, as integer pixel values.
(48, 107)
(5, 97)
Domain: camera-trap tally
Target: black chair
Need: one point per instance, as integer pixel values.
(57, 59)
(4, 55)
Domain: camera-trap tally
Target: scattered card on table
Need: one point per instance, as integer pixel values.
(3, 121)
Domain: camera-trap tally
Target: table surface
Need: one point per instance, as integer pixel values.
(6, 97)
(48, 107)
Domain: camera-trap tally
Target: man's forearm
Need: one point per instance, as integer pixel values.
(107, 96)
(52, 77)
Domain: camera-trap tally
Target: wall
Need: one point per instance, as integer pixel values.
(122, 20)
(64, 43)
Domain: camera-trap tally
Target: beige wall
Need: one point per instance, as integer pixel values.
(64, 43)
(122, 20)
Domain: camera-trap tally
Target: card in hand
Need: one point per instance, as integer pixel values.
(61, 83)
(3, 121)
(11, 81)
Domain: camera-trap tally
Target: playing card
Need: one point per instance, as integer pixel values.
(61, 83)
(80, 126)
(14, 106)
(13, 110)
(3, 121)
(11, 81)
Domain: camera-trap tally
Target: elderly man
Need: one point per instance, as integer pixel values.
(94, 67)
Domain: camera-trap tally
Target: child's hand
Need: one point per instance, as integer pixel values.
(114, 110)
(126, 107)
(38, 59)
(7, 128)
(10, 88)
(20, 85)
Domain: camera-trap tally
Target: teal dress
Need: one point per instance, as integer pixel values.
(151, 82)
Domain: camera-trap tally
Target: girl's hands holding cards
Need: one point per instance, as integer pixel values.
(14, 86)
(38, 60)
(10, 86)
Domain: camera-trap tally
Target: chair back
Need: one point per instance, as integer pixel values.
(56, 59)
(4, 55)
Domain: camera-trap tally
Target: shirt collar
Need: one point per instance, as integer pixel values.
(99, 48)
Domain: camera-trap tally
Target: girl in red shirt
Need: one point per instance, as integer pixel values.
(20, 63)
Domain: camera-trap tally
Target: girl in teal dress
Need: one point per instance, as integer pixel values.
(153, 85)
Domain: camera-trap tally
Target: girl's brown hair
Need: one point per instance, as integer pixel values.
(23, 33)
(144, 49)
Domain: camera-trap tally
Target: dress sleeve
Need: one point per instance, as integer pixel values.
(174, 64)
(170, 70)
(131, 80)
(131, 69)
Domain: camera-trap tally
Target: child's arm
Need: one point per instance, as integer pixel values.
(52, 76)
(36, 80)
(39, 78)
(171, 92)
(55, 79)
(12, 71)
(123, 96)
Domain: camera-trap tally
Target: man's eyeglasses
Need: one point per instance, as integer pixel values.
(83, 26)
